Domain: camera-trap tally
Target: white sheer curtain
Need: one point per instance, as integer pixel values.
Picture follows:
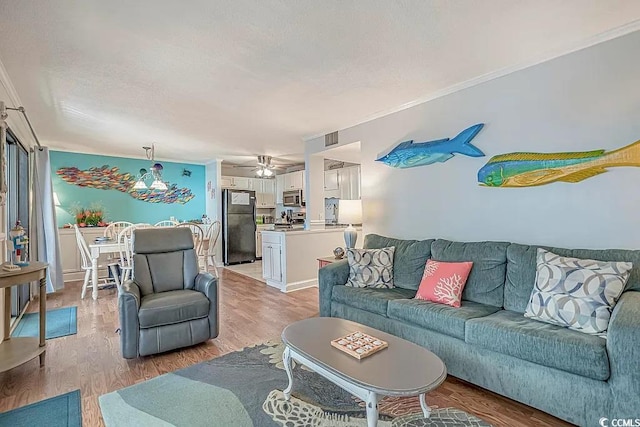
(44, 242)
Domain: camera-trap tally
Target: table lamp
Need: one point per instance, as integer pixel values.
(350, 212)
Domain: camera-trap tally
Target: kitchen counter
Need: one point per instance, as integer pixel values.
(289, 258)
(330, 229)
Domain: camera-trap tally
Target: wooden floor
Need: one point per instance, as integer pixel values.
(251, 312)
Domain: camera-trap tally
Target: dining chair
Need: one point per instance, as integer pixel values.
(112, 232)
(115, 228)
(198, 238)
(166, 223)
(210, 241)
(125, 246)
(86, 266)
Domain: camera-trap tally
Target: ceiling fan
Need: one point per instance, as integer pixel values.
(264, 167)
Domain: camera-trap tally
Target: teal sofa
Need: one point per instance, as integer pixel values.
(577, 377)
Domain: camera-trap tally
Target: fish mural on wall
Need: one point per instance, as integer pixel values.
(106, 178)
(532, 169)
(409, 154)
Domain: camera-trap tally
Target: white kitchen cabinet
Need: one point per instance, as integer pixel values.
(259, 229)
(265, 193)
(347, 183)
(226, 182)
(331, 180)
(279, 188)
(294, 181)
(272, 260)
(270, 187)
(236, 182)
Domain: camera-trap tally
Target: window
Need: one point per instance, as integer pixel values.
(17, 205)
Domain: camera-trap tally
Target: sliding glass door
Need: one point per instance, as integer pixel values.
(17, 205)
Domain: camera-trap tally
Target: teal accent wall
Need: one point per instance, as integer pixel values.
(119, 206)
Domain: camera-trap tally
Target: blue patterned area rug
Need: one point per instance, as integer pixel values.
(245, 389)
(58, 411)
(60, 322)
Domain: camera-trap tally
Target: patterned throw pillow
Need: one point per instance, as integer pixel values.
(443, 282)
(370, 268)
(576, 293)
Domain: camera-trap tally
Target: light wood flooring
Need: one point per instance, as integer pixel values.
(250, 269)
(251, 312)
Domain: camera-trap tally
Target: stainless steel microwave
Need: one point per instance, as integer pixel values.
(292, 198)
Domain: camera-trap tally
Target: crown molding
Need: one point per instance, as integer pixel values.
(623, 30)
(125, 156)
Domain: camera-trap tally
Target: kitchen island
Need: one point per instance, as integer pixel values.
(289, 258)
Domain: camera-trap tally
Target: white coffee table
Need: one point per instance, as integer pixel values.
(402, 369)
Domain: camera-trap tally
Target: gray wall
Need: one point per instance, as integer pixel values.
(586, 100)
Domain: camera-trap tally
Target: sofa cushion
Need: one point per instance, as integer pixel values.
(409, 259)
(170, 307)
(438, 317)
(370, 299)
(521, 269)
(510, 333)
(486, 280)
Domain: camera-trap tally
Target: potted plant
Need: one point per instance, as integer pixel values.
(89, 217)
(80, 214)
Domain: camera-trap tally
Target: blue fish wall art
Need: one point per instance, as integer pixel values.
(409, 154)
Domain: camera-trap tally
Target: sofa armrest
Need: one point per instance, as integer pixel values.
(623, 347)
(128, 307)
(208, 285)
(329, 276)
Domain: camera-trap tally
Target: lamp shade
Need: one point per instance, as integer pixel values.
(350, 212)
(140, 185)
(158, 185)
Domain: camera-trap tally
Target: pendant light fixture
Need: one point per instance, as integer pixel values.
(155, 174)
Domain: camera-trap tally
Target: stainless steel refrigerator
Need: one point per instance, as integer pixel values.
(238, 226)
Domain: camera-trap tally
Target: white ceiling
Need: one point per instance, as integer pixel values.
(231, 79)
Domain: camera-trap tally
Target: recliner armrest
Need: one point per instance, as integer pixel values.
(329, 276)
(208, 285)
(623, 347)
(130, 291)
(129, 302)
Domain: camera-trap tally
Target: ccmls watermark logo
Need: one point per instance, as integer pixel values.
(619, 422)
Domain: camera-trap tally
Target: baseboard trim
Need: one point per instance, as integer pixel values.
(304, 284)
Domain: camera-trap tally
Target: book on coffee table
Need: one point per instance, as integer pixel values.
(359, 345)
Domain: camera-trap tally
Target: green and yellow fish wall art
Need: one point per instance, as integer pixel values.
(532, 169)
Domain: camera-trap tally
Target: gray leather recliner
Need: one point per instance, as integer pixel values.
(168, 304)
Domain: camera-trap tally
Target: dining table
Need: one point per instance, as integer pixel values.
(96, 249)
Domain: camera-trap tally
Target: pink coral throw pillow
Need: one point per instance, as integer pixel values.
(443, 282)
